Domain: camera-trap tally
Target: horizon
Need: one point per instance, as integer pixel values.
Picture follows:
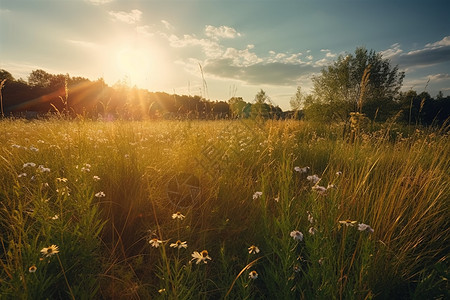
(219, 50)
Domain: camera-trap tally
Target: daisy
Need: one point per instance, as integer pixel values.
(320, 189)
(100, 194)
(302, 170)
(179, 244)
(348, 222)
(253, 249)
(96, 178)
(313, 178)
(297, 235)
(312, 230)
(253, 275)
(365, 227)
(257, 195)
(178, 215)
(47, 252)
(29, 164)
(200, 257)
(43, 169)
(310, 218)
(32, 269)
(155, 242)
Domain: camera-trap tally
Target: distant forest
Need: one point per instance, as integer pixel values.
(44, 93)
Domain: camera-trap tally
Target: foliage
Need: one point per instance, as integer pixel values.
(338, 88)
(253, 189)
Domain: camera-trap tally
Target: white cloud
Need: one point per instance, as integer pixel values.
(167, 25)
(444, 42)
(431, 54)
(131, 17)
(144, 30)
(393, 51)
(98, 2)
(221, 32)
(439, 77)
(329, 54)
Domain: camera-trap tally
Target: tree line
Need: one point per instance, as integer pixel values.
(363, 84)
(46, 93)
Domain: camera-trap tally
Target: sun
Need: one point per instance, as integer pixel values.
(136, 64)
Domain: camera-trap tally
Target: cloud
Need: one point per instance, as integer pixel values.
(98, 2)
(430, 54)
(439, 77)
(131, 17)
(4, 11)
(144, 30)
(224, 32)
(167, 25)
(274, 73)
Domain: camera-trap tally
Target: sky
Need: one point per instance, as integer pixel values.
(223, 49)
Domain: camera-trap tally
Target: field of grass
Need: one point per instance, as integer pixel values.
(102, 210)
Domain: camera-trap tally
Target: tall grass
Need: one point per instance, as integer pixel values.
(397, 183)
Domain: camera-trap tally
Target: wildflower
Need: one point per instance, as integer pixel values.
(348, 222)
(55, 217)
(63, 179)
(253, 249)
(297, 235)
(257, 195)
(200, 257)
(320, 261)
(313, 178)
(155, 242)
(85, 169)
(43, 169)
(32, 269)
(161, 291)
(253, 275)
(96, 178)
(277, 199)
(47, 252)
(331, 186)
(63, 191)
(338, 173)
(365, 227)
(302, 170)
(296, 268)
(310, 218)
(179, 244)
(29, 164)
(100, 194)
(312, 230)
(320, 189)
(22, 175)
(34, 149)
(178, 215)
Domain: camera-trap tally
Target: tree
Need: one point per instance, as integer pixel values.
(340, 87)
(40, 78)
(260, 107)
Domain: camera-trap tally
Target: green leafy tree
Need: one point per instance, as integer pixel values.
(361, 82)
(260, 107)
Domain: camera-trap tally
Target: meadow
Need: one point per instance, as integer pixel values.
(233, 209)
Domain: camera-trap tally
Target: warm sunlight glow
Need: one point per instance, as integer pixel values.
(136, 64)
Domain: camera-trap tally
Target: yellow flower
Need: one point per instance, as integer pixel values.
(253, 275)
(253, 249)
(178, 215)
(200, 257)
(53, 249)
(155, 242)
(348, 222)
(179, 244)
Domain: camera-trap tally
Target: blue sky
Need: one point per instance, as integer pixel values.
(242, 46)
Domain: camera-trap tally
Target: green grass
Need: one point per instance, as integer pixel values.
(398, 183)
